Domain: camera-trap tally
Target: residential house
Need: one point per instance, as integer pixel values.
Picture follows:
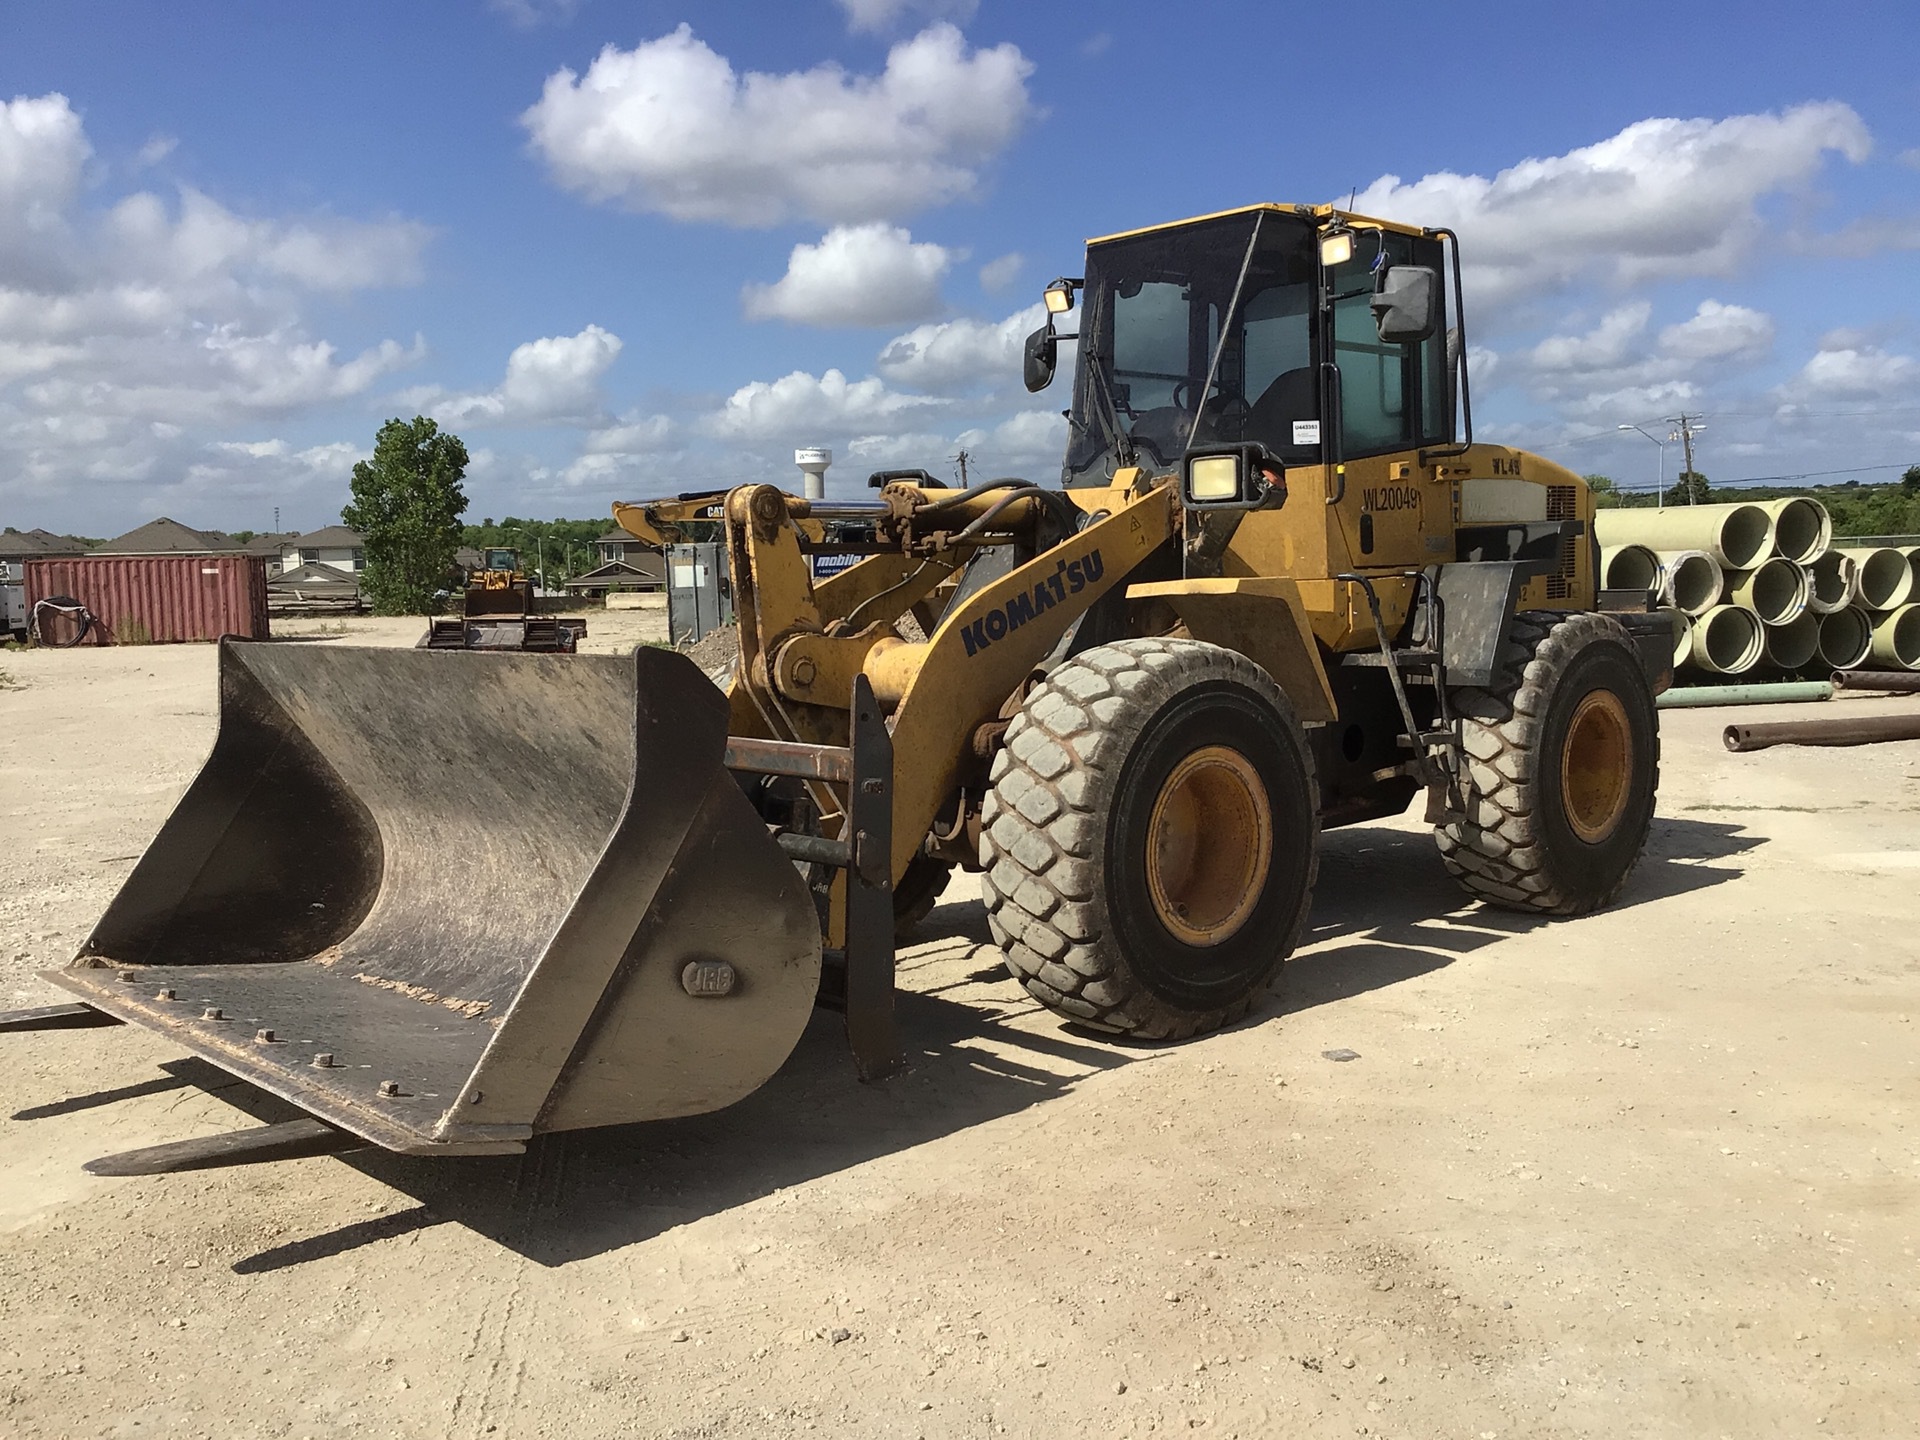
(168, 537)
(269, 547)
(336, 545)
(643, 569)
(17, 547)
(617, 544)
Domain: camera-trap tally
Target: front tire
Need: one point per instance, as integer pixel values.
(1562, 764)
(1150, 838)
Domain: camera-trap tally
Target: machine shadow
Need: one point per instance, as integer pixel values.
(578, 1194)
(1385, 911)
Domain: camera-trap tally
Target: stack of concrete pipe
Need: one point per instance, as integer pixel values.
(1760, 586)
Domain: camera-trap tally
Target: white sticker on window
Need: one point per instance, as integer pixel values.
(1306, 432)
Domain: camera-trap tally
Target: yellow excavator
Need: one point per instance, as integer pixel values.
(1279, 587)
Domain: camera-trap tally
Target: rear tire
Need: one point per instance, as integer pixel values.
(1562, 766)
(1150, 838)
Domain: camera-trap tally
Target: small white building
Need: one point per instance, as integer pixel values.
(335, 546)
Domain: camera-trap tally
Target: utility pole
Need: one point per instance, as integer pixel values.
(961, 460)
(1688, 424)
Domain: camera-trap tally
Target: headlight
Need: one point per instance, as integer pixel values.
(1233, 477)
(1213, 478)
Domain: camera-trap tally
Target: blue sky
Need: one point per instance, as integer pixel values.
(628, 248)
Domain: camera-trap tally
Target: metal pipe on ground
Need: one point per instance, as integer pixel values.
(1881, 682)
(1793, 645)
(1885, 577)
(1739, 536)
(1726, 641)
(1846, 638)
(1775, 590)
(1694, 580)
(1873, 730)
(1630, 567)
(1788, 693)
(1896, 639)
(1830, 582)
(1802, 529)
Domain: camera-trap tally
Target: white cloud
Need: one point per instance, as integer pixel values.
(530, 14)
(1850, 372)
(997, 275)
(129, 332)
(552, 380)
(1910, 158)
(1719, 332)
(669, 126)
(1029, 443)
(857, 275)
(1607, 346)
(804, 409)
(157, 148)
(1662, 199)
(959, 355)
(876, 15)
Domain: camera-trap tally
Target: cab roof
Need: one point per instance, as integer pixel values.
(1317, 213)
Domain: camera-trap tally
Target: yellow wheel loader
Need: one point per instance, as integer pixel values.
(1281, 588)
(496, 613)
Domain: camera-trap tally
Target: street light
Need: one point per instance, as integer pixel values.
(1660, 495)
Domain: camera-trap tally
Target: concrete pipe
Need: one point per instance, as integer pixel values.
(1884, 579)
(1846, 638)
(1802, 529)
(1896, 639)
(1738, 536)
(1726, 640)
(1682, 634)
(1794, 645)
(1830, 580)
(1776, 591)
(1630, 567)
(1694, 580)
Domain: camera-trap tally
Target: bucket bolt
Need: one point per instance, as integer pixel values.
(324, 1060)
(213, 1012)
(263, 1037)
(164, 995)
(390, 1088)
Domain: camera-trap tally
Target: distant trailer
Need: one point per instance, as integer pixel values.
(160, 599)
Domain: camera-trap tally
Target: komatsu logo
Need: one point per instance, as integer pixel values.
(1069, 577)
(1390, 497)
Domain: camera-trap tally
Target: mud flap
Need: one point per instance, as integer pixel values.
(446, 901)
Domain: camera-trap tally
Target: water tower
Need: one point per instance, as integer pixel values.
(813, 462)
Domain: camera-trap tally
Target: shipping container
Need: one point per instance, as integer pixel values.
(160, 598)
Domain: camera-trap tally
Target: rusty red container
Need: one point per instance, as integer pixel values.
(161, 598)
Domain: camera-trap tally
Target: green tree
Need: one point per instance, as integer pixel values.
(1910, 482)
(1606, 494)
(407, 501)
(1690, 489)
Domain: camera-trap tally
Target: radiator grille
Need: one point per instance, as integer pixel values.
(1563, 502)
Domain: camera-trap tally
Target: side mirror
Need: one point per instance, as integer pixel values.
(1406, 307)
(1042, 355)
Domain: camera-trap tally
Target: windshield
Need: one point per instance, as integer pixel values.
(1168, 359)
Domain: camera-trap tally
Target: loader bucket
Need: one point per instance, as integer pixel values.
(446, 901)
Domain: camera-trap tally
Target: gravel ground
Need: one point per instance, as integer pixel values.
(1652, 1172)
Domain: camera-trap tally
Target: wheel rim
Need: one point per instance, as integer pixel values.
(1209, 845)
(1596, 766)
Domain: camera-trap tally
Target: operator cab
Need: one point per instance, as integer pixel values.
(1263, 326)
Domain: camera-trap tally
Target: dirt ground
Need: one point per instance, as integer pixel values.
(1655, 1172)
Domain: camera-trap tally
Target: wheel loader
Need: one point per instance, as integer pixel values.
(496, 613)
(1280, 588)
